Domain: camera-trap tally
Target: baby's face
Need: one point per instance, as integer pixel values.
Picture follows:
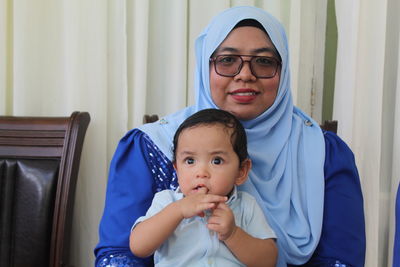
(205, 159)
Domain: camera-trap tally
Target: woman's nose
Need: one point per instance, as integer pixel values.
(245, 73)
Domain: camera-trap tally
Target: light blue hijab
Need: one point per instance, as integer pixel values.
(286, 146)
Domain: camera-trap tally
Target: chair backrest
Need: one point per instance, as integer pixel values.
(39, 162)
(327, 126)
(330, 126)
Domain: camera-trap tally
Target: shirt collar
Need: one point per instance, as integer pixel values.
(232, 196)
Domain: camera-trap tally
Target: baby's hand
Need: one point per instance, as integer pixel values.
(222, 221)
(196, 204)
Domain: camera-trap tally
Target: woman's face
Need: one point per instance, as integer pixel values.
(244, 95)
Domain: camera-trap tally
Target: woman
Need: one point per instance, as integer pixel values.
(304, 179)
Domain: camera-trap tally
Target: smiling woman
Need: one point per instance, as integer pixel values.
(248, 93)
(297, 168)
(122, 59)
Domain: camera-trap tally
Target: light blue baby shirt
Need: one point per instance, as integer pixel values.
(193, 244)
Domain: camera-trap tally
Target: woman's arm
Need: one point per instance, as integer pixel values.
(343, 230)
(130, 190)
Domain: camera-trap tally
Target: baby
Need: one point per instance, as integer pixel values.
(206, 221)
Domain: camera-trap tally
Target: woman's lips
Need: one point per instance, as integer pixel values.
(244, 95)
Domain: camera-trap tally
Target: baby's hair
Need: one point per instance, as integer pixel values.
(213, 117)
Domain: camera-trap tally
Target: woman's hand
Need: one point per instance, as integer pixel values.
(196, 204)
(222, 221)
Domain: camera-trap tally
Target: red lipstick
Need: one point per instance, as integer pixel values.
(244, 95)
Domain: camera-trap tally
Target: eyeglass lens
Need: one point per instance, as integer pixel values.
(261, 67)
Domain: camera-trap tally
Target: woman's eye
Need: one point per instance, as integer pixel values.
(264, 61)
(217, 161)
(189, 161)
(227, 59)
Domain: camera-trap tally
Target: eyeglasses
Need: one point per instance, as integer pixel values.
(260, 66)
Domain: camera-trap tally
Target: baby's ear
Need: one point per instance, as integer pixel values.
(245, 167)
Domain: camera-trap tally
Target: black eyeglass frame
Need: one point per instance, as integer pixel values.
(279, 63)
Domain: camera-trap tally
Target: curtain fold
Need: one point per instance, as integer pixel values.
(137, 26)
(366, 106)
(5, 54)
(117, 102)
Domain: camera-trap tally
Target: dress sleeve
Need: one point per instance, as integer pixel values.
(130, 190)
(342, 240)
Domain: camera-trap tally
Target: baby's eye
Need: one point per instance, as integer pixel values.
(217, 161)
(189, 160)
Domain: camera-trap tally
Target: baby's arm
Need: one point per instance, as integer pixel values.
(249, 250)
(149, 234)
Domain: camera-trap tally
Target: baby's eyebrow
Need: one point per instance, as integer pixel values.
(219, 152)
(186, 153)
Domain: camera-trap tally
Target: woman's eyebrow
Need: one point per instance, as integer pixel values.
(264, 49)
(227, 49)
(186, 152)
(254, 51)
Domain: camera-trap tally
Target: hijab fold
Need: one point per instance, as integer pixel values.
(285, 145)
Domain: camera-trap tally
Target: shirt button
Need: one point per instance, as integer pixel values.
(308, 123)
(210, 261)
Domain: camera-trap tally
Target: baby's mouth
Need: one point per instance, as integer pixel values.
(201, 187)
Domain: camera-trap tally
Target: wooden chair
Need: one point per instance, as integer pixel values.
(150, 118)
(39, 163)
(330, 126)
(327, 126)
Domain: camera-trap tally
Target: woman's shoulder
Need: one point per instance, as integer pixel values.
(136, 140)
(335, 146)
(134, 134)
(338, 156)
(136, 146)
(137, 155)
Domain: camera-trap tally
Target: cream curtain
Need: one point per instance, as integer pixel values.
(367, 99)
(120, 59)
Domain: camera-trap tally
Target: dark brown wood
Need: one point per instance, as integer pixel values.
(58, 138)
(330, 126)
(150, 118)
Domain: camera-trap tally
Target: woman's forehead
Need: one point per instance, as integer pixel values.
(247, 39)
(226, 21)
